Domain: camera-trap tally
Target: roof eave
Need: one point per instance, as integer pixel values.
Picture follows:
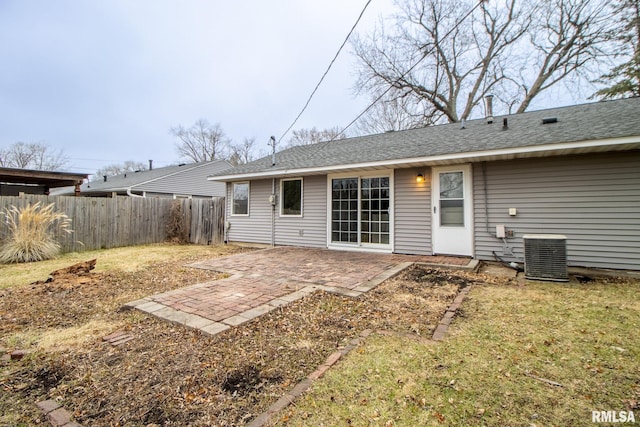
(580, 147)
(105, 190)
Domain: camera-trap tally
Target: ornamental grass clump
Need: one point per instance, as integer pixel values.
(31, 233)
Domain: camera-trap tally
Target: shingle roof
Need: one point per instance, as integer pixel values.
(130, 179)
(188, 179)
(598, 121)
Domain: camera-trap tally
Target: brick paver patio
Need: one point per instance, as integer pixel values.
(265, 279)
(317, 266)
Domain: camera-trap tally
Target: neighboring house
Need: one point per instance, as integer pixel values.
(15, 181)
(447, 189)
(180, 181)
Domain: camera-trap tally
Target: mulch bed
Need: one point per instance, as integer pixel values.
(170, 375)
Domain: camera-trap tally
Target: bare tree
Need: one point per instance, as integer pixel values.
(313, 136)
(568, 36)
(624, 79)
(446, 62)
(119, 169)
(201, 142)
(32, 155)
(242, 153)
(391, 114)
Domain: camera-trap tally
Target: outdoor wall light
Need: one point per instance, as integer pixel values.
(420, 178)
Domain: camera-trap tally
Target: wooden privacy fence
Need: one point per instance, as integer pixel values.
(100, 223)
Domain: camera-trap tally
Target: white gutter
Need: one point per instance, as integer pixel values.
(506, 153)
(129, 193)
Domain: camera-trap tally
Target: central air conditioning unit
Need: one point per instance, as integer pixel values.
(545, 257)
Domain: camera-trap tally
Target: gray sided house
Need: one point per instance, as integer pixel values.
(456, 188)
(179, 181)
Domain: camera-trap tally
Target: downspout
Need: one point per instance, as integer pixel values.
(512, 264)
(130, 194)
(486, 201)
(227, 226)
(272, 200)
(228, 189)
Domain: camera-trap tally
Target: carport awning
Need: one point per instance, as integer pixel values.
(45, 178)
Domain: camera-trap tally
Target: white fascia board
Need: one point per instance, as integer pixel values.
(105, 190)
(506, 153)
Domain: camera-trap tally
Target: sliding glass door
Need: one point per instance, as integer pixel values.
(344, 210)
(361, 211)
(374, 210)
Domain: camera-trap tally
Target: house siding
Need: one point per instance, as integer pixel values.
(592, 199)
(412, 204)
(256, 227)
(310, 229)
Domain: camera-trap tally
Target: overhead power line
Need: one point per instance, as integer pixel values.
(408, 71)
(326, 72)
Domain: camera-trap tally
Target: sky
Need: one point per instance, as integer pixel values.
(105, 80)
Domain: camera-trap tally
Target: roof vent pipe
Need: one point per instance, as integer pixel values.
(150, 164)
(104, 177)
(488, 103)
(505, 126)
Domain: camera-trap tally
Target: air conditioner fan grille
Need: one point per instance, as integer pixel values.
(545, 257)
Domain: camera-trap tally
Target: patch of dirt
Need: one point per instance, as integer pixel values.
(437, 277)
(72, 299)
(247, 378)
(173, 376)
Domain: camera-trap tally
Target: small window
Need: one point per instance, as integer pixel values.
(240, 198)
(291, 191)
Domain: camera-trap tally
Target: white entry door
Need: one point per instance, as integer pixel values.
(452, 210)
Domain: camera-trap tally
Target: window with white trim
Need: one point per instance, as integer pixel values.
(240, 198)
(291, 197)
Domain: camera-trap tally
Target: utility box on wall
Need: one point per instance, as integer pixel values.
(545, 257)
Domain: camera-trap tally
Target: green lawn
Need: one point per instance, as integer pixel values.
(542, 354)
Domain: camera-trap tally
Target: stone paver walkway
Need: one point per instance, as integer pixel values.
(265, 279)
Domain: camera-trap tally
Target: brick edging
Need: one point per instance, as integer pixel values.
(56, 414)
(60, 417)
(443, 325)
(304, 385)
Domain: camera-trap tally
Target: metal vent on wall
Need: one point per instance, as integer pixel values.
(545, 257)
